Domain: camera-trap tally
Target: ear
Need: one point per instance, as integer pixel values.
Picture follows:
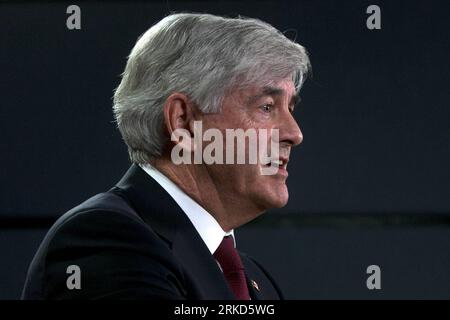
(179, 116)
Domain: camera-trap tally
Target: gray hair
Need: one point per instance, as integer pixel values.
(202, 56)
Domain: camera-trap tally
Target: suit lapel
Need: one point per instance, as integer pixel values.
(157, 208)
(253, 283)
(260, 285)
(253, 289)
(199, 263)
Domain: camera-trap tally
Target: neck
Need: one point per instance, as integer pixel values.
(196, 182)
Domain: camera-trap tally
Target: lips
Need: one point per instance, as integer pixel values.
(280, 163)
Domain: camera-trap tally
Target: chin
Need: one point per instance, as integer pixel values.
(281, 202)
(276, 198)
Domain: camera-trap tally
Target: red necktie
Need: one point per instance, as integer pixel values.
(232, 268)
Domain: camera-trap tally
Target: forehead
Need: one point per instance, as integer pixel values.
(284, 89)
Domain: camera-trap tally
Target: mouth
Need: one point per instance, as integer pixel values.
(281, 163)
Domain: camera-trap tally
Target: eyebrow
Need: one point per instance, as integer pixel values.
(273, 91)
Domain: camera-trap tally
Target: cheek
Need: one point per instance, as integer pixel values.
(247, 122)
(212, 122)
(246, 177)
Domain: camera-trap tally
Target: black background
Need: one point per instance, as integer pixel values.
(369, 184)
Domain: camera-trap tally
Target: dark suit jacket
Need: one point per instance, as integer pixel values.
(133, 242)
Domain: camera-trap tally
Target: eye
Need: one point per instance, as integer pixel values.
(267, 107)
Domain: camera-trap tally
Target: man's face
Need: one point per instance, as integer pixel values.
(256, 108)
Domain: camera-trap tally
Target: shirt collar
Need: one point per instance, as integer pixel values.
(205, 224)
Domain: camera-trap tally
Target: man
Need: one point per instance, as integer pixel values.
(165, 230)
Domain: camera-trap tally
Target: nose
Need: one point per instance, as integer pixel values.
(290, 132)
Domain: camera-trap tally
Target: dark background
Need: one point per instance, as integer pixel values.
(369, 184)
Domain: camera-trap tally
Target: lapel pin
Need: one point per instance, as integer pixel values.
(255, 285)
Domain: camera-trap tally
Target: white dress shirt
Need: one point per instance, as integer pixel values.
(205, 224)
